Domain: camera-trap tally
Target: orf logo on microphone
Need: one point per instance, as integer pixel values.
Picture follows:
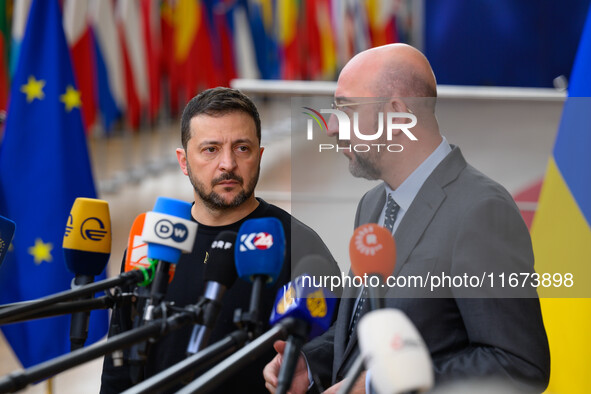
(255, 241)
(165, 229)
(221, 244)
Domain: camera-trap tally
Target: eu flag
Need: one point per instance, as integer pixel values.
(44, 167)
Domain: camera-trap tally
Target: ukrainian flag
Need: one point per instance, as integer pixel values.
(561, 234)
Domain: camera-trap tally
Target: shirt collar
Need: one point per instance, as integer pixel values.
(407, 191)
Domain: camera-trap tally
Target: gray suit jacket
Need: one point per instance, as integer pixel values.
(460, 222)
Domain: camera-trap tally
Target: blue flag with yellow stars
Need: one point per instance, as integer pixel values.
(44, 167)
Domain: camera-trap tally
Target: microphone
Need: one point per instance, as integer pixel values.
(300, 310)
(312, 306)
(373, 256)
(137, 250)
(136, 258)
(220, 274)
(7, 227)
(259, 258)
(87, 239)
(168, 230)
(87, 247)
(395, 352)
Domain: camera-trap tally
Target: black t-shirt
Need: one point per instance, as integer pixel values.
(188, 286)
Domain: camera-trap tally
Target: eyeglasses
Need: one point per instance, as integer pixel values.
(334, 104)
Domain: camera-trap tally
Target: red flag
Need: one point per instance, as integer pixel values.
(289, 23)
(151, 31)
(80, 42)
(311, 32)
(192, 48)
(167, 60)
(221, 13)
(134, 59)
(209, 76)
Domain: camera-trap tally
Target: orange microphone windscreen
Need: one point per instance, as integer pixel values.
(137, 250)
(372, 251)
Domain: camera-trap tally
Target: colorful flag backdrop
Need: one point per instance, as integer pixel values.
(109, 62)
(134, 60)
(19, 22)
(150, 24)
(263, 31)
(4, 54)
(561, 231)
(44, 167)
(81, 43)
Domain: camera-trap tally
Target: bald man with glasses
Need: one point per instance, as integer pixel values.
(446, 217)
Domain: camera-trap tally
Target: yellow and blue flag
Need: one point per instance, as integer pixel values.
(262, 28)
(44, 167)
(561, 232)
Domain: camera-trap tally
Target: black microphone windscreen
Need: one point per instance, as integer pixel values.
(313, 265)
(220, 265)
(319, 269)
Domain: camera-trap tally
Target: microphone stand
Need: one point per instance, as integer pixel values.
(250, 320)
(63, 308)
(352, 376)
(18, 311)
(250, 327)
(200, 360)
(212, 378)
(19, 380)
(376, 301)
(79, 320)
(297, 338)
(138, 354)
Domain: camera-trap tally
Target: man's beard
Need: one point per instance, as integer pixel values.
(213, 200)
(361, 166)
(364, 165)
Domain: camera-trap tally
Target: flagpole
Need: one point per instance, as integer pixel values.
(49, 386)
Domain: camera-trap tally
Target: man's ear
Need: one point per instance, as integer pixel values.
(261, 149)
(397, 105)
(181, 156)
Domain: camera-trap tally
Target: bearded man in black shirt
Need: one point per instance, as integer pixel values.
(221, 155)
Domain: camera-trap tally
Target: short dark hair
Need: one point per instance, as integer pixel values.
(217, 102)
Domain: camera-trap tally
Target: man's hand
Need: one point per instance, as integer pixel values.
(358, 387)
(300, 382)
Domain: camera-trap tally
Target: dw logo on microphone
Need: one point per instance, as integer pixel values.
(165, 229)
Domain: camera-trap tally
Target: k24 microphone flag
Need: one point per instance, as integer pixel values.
(561, 232)
(44, 167)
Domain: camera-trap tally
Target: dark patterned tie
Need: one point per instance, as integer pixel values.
(358, 312)
(391, 212)
(389, 219)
